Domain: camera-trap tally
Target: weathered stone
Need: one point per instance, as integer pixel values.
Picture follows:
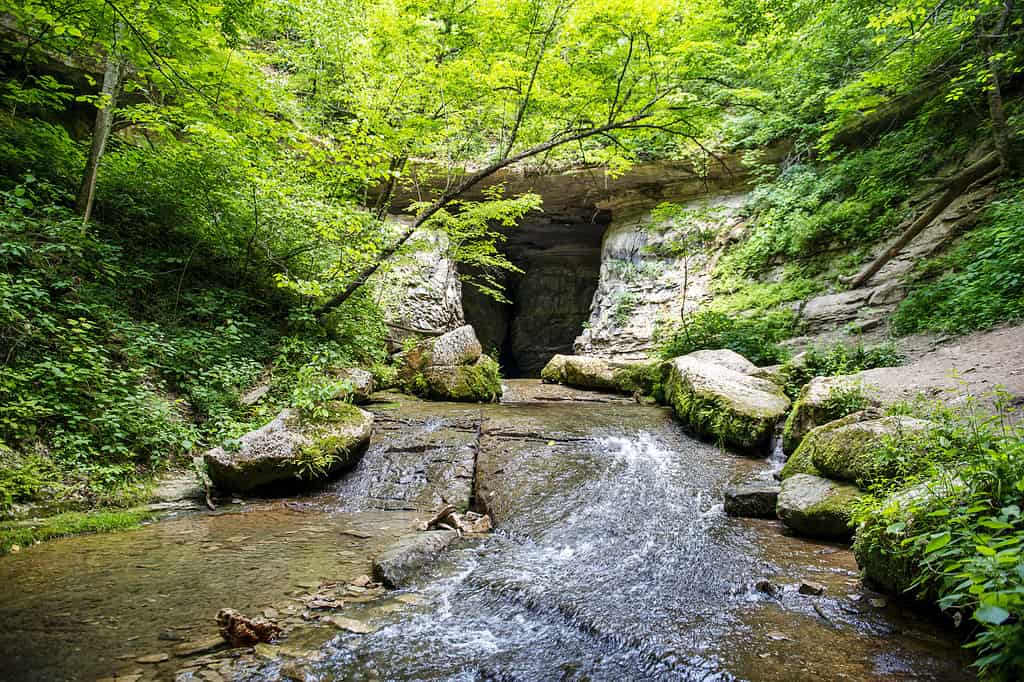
(360, 384)
(723, 357)
(811, 588)
(812, 407)
(752, 495)
(799, 462)
(848, 449)
(816, 507)
(479, 382)
(293, 449)
(400, 561)
(153, 658)
(457, 347)
(177, 486)
(202, 646)
(735, 408)
(833, 310)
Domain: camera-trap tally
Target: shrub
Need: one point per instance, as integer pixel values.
(837, 359)
(756, 338)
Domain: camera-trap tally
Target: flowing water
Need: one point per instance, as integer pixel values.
(612, 560)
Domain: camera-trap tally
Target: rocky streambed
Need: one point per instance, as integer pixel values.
(611, 559)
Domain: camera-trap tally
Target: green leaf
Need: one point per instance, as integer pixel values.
(991, 614)
(938, 543)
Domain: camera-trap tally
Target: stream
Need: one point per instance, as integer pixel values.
(611, 560)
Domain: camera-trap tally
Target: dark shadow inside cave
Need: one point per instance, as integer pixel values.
(549, 302)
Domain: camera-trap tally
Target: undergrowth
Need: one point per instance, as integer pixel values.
(962, 539)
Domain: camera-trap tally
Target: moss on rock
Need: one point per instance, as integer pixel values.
(816, 507)
(854, 449)
(479, 382)
(721, 403)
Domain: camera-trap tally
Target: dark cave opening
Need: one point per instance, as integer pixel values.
(549, 301)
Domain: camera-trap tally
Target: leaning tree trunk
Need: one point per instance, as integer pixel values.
(996, 110)
(953, 188)
(101, 129)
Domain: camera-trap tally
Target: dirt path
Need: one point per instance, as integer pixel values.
(950, 369)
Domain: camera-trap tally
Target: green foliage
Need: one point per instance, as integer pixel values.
(837, 359)
(857, 198)
(963, 540)
(24, 534)
(979, 283)
(756, 338)
(625, 304)
(845, 399)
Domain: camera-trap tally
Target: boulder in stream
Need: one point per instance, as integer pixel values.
(582, 371)
(752, 495)
(816, 507)
(714, 398)
(291, 449)
(852, 448)
(401, 560)
(814, 407)
(452, 367)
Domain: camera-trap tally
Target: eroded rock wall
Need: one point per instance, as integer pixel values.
(646, 278)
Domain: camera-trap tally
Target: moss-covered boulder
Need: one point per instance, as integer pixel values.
(720, 402)
(884, 561)
(724, 357)
(799, 462)
(853, 448)
(817, 405)
(291, 449)
(817, 507)
(583, 371)
(479, 382)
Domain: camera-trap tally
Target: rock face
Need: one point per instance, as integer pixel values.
(452, 367)
(812, 407)
(848, 449)
(290, 449)
(718, 402)
(752, 495)
(642, 278)
(420, 293)
(587, 372)
(816, 507)
(396, 565)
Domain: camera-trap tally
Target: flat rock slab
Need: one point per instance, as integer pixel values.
(817, 507)
(396, 565)
(752, 496)
(421, 456)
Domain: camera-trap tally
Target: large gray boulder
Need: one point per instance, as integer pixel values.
(291, 449)
(817, 507)
(476, 383)
(583, 371)
(452, 367)
(815, 406)
(717, 401)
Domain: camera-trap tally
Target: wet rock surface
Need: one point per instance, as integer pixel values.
(817, 507)
(719, 402)
(609, 523)
(399, 562)
(752, 495)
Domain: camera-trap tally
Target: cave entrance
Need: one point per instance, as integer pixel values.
(550, 301)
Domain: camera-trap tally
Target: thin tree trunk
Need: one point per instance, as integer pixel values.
(469, 182)
(997, 113)
(101, 128)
